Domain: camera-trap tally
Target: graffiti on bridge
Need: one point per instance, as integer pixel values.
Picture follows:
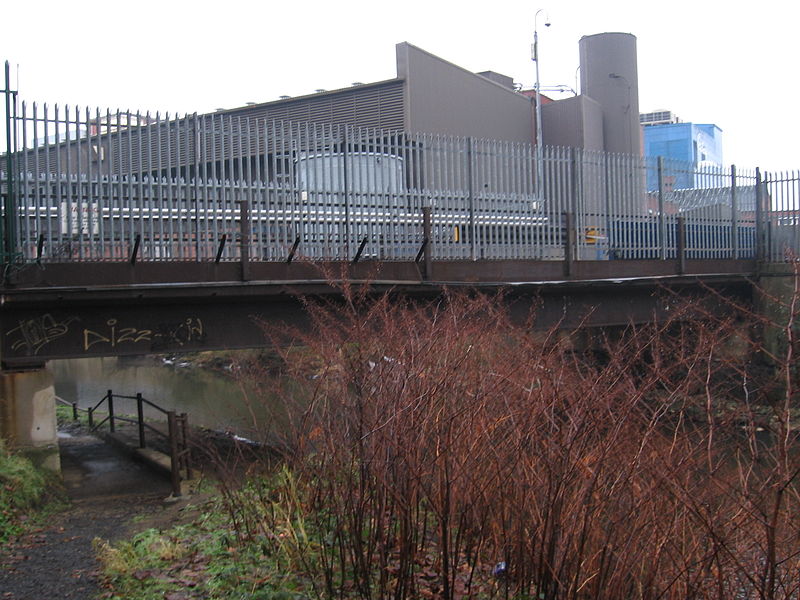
(33, 334)
(162, 336)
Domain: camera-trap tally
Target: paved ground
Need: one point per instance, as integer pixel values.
(107, 491)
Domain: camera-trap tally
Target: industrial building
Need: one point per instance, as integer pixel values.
(699, 144)
(690, 147)
(432, 95)
(605, 115)
(428, 95)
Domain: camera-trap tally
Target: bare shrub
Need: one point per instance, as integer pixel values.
(440, 450)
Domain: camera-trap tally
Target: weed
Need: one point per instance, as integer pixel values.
(205, 558)
(23, 488)
(65, 416)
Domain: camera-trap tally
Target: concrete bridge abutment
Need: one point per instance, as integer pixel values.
(778, 295)
(28, 415)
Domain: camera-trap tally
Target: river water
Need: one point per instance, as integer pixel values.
(210, 399)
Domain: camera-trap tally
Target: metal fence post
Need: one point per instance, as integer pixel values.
(681, 249)
(574, 213)
(110, 398)
(185, 453)
(196, 179)
(569, 236)
(9, 185)
(617, 236)
(662, 225)
(346, 188)
(244, 234)
(580, 201)
(471, 201)
(760, 227)
(140, 412)
(734, 216)
(7, 241)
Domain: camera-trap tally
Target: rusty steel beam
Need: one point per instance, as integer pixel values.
(40, 323)
(77, 274)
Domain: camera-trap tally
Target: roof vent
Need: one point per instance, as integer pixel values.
(284, 97)
(357, 83)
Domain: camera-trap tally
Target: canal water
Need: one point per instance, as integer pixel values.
(212, 400)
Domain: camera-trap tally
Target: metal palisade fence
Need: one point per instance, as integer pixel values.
(91, 185)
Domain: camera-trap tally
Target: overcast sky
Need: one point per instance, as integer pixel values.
(705, 60)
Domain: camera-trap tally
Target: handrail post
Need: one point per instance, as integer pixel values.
(110, 398)
(185, 445)
(74, 411)
(91, 417)
(681, 245)
(140, 411)
(175, 475)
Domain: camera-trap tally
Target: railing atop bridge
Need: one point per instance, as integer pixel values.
(83, 185)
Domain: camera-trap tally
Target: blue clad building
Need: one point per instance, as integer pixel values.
(686, 148)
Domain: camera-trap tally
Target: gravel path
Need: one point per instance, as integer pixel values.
(107, 491)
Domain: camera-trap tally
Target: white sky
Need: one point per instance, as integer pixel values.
(705, 60)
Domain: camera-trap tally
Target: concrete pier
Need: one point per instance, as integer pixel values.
(28, 415)
(777, 292)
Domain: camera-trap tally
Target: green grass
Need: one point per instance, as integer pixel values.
(64, 415)
(204, 559)
(24, 489)
(262, 541)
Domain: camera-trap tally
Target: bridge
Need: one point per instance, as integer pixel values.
(130, 233)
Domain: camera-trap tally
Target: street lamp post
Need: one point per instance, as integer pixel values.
(538, 100)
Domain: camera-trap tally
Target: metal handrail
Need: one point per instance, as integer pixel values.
(176, 435)
(137, 398)
(73, 405)
(92, 409)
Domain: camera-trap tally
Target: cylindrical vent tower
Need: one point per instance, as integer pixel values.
(609, 76)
